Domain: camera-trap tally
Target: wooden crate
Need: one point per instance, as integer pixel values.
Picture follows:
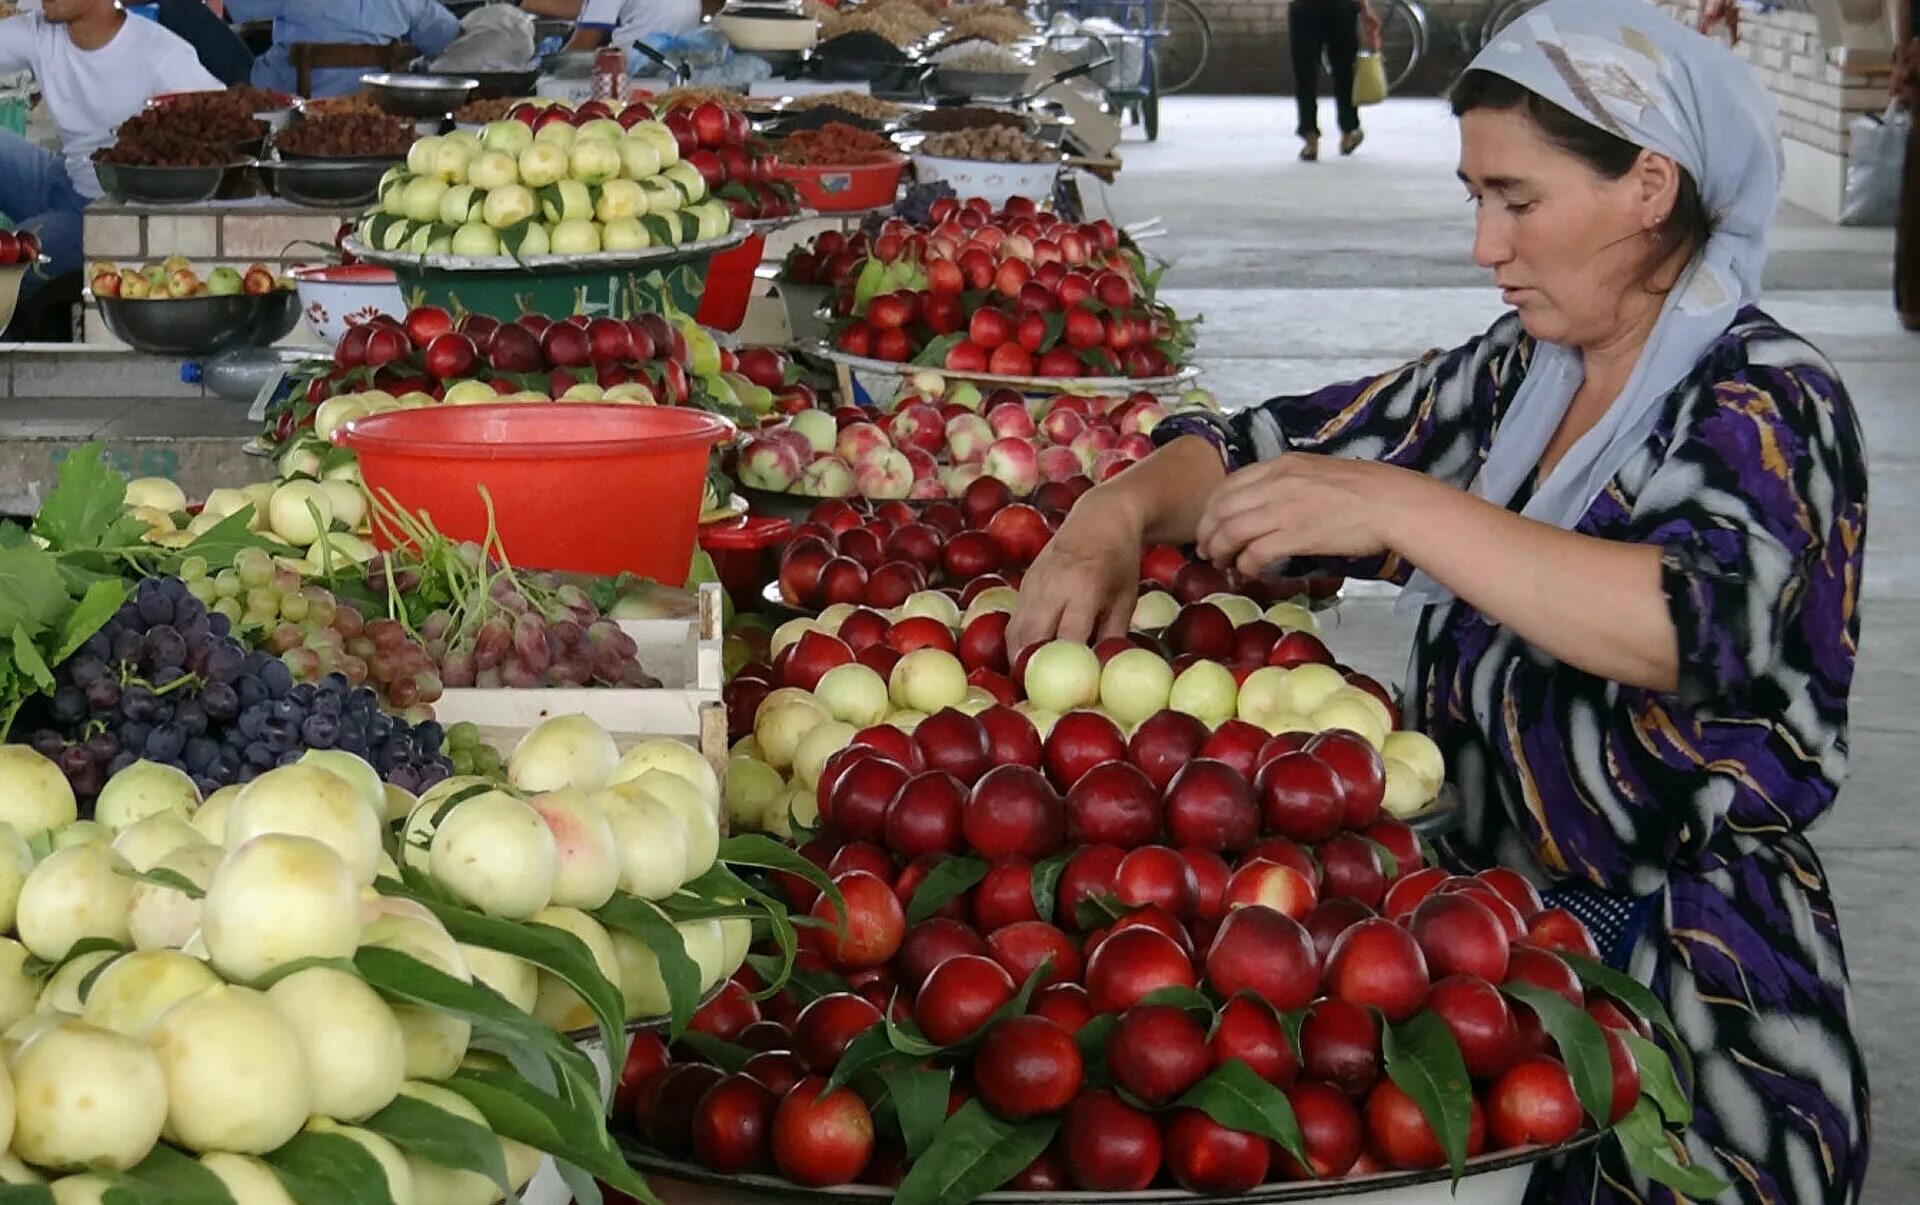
(682, 650)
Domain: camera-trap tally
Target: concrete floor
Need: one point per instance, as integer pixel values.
(1310, 273)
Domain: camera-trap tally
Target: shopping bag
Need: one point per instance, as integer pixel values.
(1369, 79)
(1874, 168)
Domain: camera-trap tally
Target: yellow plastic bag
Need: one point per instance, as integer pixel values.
(1369, 79)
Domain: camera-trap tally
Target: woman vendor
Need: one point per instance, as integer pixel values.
(1632, 516)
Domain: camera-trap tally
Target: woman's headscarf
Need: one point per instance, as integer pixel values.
(1629, 69)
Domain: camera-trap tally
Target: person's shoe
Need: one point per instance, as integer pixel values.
(1351, 140)
(1310, 150)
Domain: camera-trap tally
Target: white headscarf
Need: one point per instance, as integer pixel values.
(1628, 68)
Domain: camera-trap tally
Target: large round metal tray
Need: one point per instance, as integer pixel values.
(198, 326)
(326, 183)
(1496, 1179)
(1036, 384)
(652, 256)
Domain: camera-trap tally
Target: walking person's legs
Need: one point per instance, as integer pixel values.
(1906, 246)
(1343, 46)
(37, 195)
(1306, 31)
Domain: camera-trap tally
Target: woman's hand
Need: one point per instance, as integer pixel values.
(1369, 27)
(1302, 504)
(1085, 581)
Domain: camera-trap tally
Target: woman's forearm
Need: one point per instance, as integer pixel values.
(1168, 491)
(557, 10)
(1595, 604)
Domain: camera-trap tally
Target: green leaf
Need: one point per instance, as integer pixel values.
(1293, 1022)
(28, 661)
(1389, 864)
(427, 1131)
(1657, 1080)
(287, 969)
(330, 1168)
(96, 606)
(162, 877)
(1185, 998)
(87, 498)
(1092, 1041)
(32, 596)
(871, 1051)
(1045, 881)
(1237, 1098)
(975, 1153)
(84, 988)
(1056, 324)
(167, 1177)
(1098, 911)
(516, 1109)
(806, 986)
(1656, 1154)
(758, 849)
(642, 920)
(1632, 993)
(27, 1194)
(721, 1053)
(1583, 1048)
(1424, 1061)
(920, 1101)
(907, 1038)
(934, 354)
(949, 880)
(220, 543)
(404, 979)
(555, 951)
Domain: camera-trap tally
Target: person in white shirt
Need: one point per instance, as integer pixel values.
(621, 22)
(95, 67)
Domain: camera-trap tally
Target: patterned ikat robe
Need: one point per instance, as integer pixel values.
(1754, 486)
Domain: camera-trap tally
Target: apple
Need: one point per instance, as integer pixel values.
(928, 680)
(1206, 691)
(1135, 685)
(1062, 675)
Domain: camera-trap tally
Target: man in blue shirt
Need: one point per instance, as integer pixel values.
(426, 24)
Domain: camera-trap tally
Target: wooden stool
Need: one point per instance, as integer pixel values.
(308, 57)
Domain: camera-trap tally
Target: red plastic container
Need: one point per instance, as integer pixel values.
(743, 552)
(575, 486)
(723, 303)
(839, 189)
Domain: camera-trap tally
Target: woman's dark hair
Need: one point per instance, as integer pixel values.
(1689, 225)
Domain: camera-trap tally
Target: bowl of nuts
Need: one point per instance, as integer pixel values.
(346, 133)
(993, 162)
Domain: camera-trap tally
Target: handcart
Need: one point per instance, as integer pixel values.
(1152, 47)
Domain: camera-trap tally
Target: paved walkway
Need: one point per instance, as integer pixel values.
(1309, 273)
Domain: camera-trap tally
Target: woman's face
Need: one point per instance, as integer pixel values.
(1567, 247)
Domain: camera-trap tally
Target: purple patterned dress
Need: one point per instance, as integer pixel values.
(1754, 486)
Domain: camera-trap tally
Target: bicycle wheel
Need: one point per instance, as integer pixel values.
(1403, 40)
(1501, 15)
(1180, 55)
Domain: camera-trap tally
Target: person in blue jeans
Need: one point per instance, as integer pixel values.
(425, 24)
(95, 67)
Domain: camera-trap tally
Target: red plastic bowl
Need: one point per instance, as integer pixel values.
(575, 486)
(729, 287)
(839, 189)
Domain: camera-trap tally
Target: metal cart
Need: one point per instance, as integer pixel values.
(1152, 47)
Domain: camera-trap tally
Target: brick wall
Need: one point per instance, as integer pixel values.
(1250, 45)
(1818, 98)
(1817, 94)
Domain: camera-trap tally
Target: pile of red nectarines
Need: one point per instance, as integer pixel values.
(1105, 938)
